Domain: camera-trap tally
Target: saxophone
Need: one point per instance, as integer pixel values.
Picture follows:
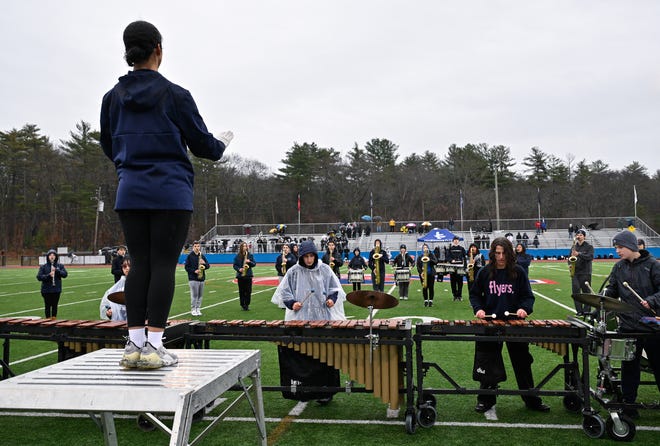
(331, 256)
(200, 274)
(470, 267)
(425, 261)
(283, 262)
(246, 266)
(572, 260)
(377, 257)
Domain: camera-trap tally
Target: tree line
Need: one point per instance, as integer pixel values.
(49, 192)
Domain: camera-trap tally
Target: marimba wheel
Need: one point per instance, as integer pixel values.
(144, 423)
(410, 423)
(573, 403)
(429, 399)
(593, 426)
(625, 431)
(426, 416)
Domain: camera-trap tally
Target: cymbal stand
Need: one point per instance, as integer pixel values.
(601, 325)
(373, 338)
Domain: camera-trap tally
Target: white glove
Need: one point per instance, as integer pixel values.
(226, 137)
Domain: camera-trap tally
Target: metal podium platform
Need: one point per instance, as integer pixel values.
(95, 383)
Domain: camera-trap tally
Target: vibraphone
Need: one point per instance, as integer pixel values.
(381, 367)
(554, 335)
(77, 337)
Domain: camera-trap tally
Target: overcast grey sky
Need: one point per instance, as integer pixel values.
(578, 78)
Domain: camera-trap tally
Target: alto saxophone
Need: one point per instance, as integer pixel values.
(572, 260)
(283, 264)
(377, 257)
(200, 274)
(246, 266)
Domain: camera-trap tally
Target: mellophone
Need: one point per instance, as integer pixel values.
(447, 268)
(341, 344)
(77, 337)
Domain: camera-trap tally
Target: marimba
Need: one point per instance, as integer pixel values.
(555, 335)
(380, 366)
(77, 337)
(448, 268)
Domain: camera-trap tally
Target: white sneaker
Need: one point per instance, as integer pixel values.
(131, 356)
(155, 358)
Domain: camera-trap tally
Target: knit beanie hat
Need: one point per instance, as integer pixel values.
(626, 239)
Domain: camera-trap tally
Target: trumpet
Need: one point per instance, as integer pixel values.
(200, 274)
(572, 260)
(470, 267)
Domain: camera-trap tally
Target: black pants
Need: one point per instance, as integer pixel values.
(307, 371)
(357, 286)
(521, 361)
(577, 287)
(428, 291)
(154, 239)
(630, 370)
(245, 291)
(50, 303)
(456, 284)
(403, 288)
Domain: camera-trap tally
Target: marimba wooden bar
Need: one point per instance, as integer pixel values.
(77, 337)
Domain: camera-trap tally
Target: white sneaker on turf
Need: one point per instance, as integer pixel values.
(131, 355)
(155, 358)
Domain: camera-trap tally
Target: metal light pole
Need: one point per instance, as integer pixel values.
(99, 208)
(497, 202)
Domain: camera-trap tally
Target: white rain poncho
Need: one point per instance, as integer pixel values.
(118, 310)
(311, 287)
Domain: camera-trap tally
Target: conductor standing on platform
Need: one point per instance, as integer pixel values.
(501, 288)
(148, 127)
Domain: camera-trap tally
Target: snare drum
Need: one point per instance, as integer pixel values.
(618, 349)
(402, 275)
(356, 275)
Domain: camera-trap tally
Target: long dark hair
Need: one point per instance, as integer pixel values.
(508, 253)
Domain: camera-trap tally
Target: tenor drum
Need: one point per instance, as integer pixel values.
(356, 276)
(402, 275)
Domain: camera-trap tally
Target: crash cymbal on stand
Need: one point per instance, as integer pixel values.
(117, 297)
(609, 304)
(375, 299)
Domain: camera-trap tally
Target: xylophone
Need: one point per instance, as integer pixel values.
(555, 335)
(448, 268)
(77, 337)
(379, 366)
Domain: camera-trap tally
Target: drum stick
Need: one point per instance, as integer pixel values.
(588, 285)
(309, 293)
(625, 284)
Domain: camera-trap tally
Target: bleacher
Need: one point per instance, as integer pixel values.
(553, 243)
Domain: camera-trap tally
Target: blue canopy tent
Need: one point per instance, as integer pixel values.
(436, 235)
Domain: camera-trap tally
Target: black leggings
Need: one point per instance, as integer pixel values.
(50, 303)
(154, 239)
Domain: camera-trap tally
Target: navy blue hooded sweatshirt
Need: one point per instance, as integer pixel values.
(147, 125)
